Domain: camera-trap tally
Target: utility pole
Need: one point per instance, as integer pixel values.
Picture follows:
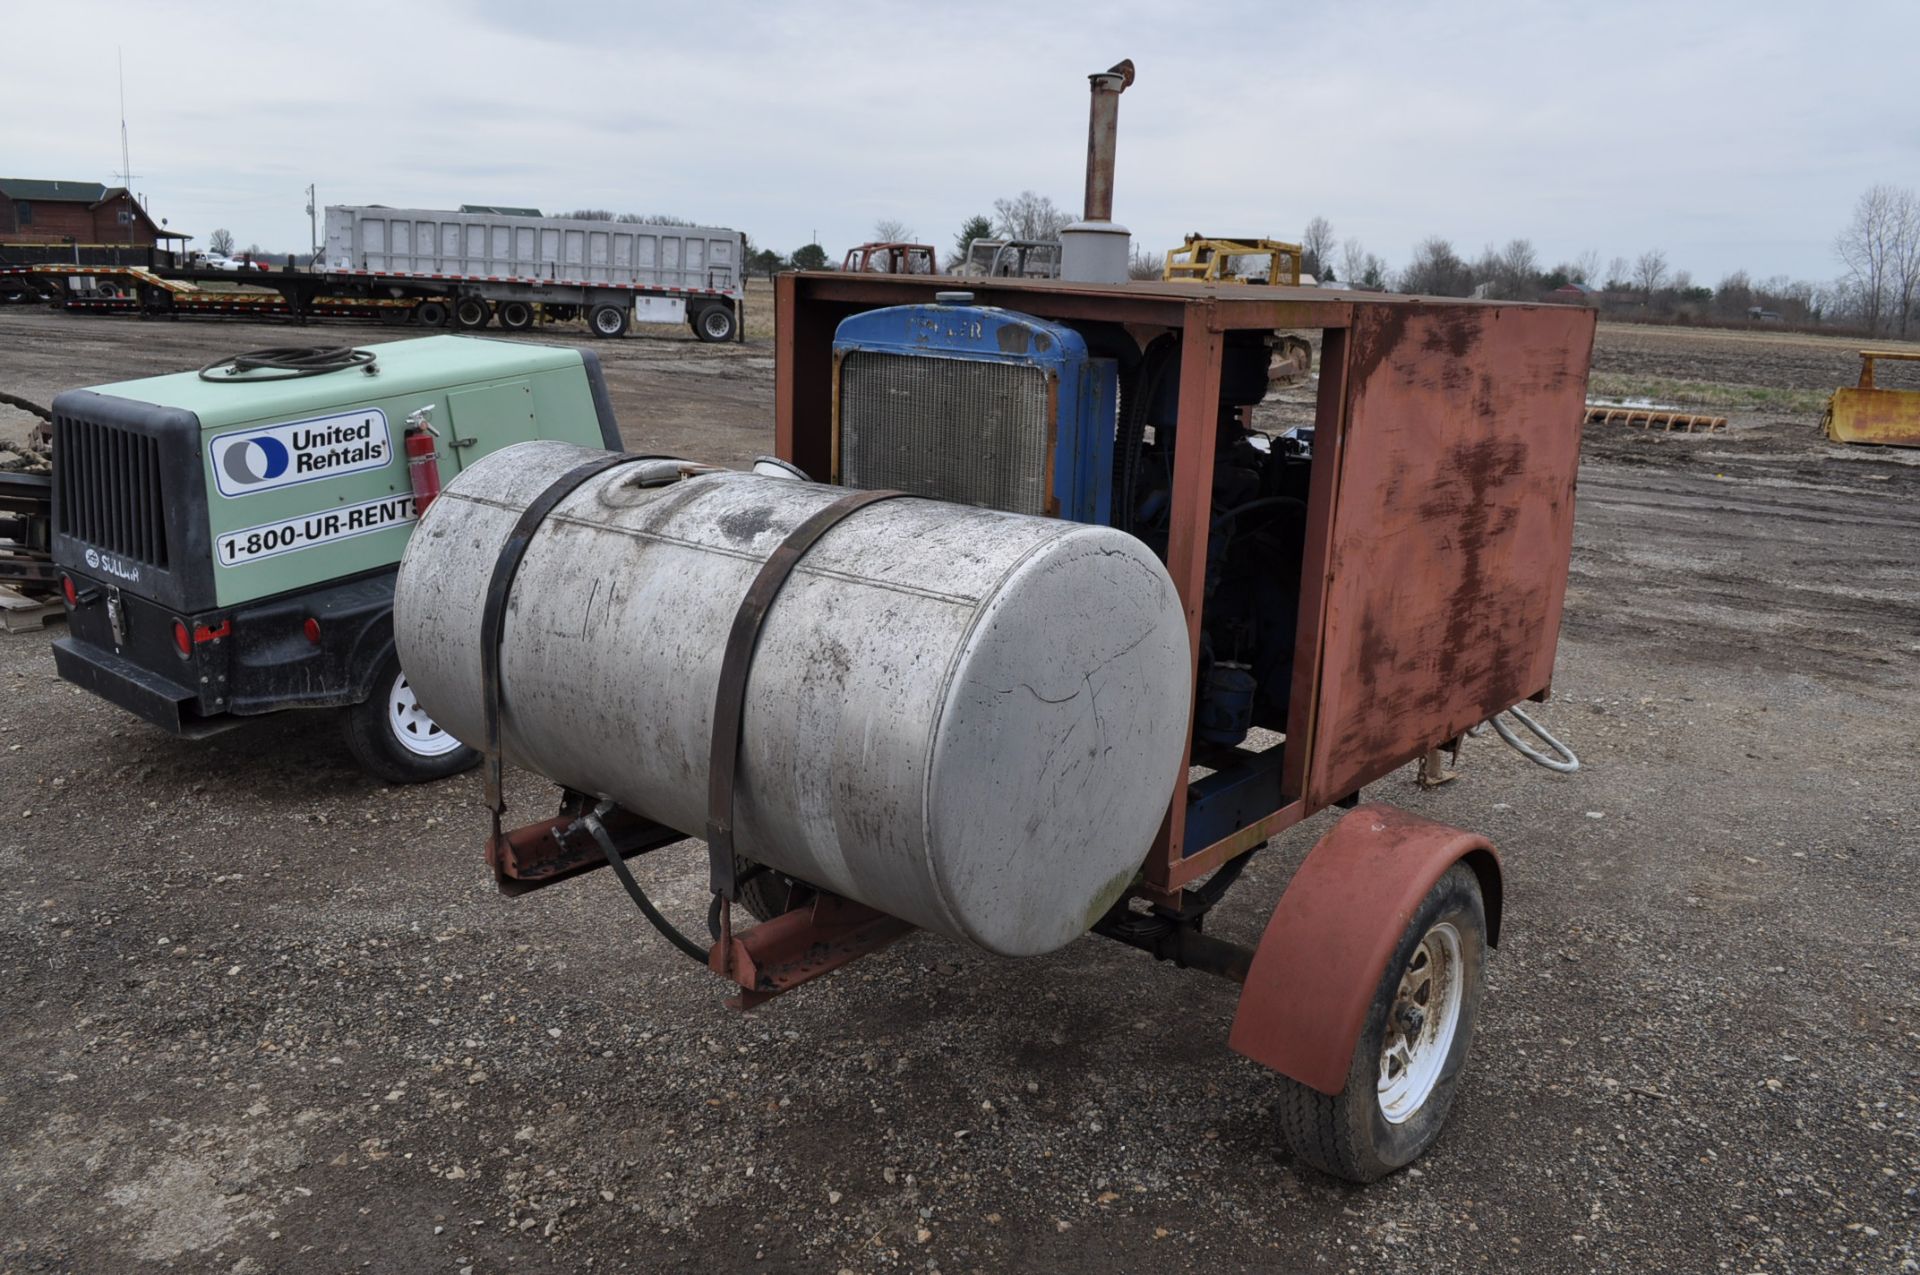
(126, 164)
(313, 226)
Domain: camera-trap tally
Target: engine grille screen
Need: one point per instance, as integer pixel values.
(110, 491)
(966, 430)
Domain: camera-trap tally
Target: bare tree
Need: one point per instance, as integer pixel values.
(1906, 256)
(1028, 216)
(1511, 273)
(221, 241)
(1619, 275)
(1316, 247)
(1436, 270)
(1144, 263)
(1734, 297)
(1650, 272)
(892, 230)
(1872, 251)
(1586, 269)
(1353, 259)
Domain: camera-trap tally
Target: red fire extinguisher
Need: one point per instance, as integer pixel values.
(423, 458)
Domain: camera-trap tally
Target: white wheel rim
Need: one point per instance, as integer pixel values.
(416, 732)
(1421, 1024)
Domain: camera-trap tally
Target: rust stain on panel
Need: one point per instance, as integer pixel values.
(1453, 530)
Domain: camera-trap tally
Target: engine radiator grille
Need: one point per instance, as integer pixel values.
(967, 430)
(109, 486)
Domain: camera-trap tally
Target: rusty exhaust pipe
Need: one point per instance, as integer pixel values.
(1094, 249)
(1103, 131)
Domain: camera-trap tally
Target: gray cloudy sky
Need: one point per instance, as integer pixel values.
(1728, 134)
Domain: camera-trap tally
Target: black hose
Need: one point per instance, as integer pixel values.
(1141, 388)
(640, 899)
(288, 362)
(1262, 503)
(25, 406)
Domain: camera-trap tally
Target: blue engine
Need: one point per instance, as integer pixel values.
(977, 405)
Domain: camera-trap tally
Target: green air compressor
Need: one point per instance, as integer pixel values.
(228, 538)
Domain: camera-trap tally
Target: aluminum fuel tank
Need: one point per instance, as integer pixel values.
(969, 719)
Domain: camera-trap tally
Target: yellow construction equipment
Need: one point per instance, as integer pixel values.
(1204, 260)
(1865, 413)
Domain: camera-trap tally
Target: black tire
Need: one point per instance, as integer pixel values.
(769, 894)
(432, 314)
(1351, 1136)
(608, 321)
(398, 746)
(470, 314)
(394, 317)
(514, 316)
(714, 324)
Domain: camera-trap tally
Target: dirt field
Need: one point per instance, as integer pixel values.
(266, 1015)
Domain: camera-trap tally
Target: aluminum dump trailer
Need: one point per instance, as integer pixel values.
(501, 266)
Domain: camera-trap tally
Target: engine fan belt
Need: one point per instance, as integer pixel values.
(494, 614)
(730, 701)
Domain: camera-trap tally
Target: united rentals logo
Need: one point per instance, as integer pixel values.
(254, 460)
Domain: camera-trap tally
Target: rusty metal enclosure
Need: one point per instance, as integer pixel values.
(1439, 521)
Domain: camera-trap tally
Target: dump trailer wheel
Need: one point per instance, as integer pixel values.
(431, 314)
(472, 313)
(1407, 1063)
(769, 894)
(514, 316)
(714, 324)
(607, 321)
(393, 738)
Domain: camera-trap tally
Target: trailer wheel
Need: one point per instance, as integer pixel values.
(1406, 1065)
(393, 739)
(607, 321)
(514, 316)
(431, 314)
(472, 313)
(394, 316)
(769, 894)
(714, 324)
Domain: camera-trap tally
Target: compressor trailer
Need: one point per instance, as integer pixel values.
(1337, 612)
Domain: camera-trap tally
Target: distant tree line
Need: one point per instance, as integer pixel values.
(1878, 291)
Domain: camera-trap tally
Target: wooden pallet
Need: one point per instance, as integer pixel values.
(22, 614)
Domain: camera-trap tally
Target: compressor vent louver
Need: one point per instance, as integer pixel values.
(953, 429)
(110, 492)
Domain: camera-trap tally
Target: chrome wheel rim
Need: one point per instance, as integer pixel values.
(1421, 1024)
(416, 732)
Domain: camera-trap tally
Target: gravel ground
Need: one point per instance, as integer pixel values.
(267, 1015)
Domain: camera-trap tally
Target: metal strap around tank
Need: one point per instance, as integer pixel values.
(493, 615)
(730, 700)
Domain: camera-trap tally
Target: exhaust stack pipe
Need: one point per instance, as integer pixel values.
(1103, 129)
(1094, 249)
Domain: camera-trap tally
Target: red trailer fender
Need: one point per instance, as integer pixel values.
(1318, 964)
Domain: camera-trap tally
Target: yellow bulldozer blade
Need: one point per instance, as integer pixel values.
(1865, 413)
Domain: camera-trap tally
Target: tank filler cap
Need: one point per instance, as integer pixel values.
(953, 298)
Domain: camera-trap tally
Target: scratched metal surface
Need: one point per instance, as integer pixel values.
(1452, 528)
